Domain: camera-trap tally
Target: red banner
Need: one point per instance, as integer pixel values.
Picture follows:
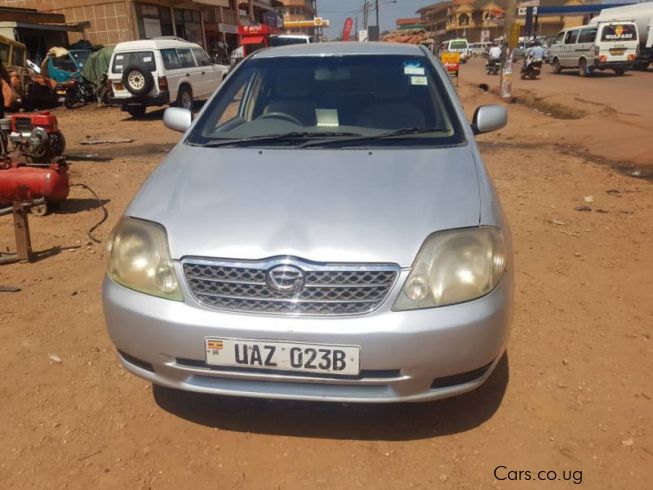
(346, 32)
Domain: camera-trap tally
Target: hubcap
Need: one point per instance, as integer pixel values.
(136, 80)
(186, 100)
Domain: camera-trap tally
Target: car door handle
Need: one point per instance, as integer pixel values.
(203, 73)
(187, 74)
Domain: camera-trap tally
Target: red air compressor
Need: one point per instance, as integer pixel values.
(21, 182)
(37, 138)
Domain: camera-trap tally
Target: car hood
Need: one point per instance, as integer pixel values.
(333, 205)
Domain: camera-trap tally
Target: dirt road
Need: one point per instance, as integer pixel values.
(573, 395)
(611, 114)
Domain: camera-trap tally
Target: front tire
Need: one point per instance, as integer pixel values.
(184, 98)
(72, 99)
(555, 64)
(582, 68)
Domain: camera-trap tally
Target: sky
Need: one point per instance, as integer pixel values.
(338, 10)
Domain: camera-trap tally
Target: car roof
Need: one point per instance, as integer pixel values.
(161, 43)
(339, 49)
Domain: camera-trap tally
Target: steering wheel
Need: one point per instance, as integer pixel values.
(281, 115)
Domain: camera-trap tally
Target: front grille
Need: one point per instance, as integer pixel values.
(326, 289)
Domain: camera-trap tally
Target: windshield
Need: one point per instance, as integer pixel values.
(349, 100)
(458, 45)
(619, 32)
(141, 58)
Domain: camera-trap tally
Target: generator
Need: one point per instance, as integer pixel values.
(34, 135)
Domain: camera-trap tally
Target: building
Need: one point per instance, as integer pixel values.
(36, 30)
(483, 20)
(211, 23)
(299, 11)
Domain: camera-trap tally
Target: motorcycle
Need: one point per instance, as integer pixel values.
(531, 67)
(78, 92)
(492, 66)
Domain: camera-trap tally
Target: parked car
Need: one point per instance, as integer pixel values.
(325, 230)
(457, 46)
(479, 49)
(611, 46)
(288, 39)
(162, 71)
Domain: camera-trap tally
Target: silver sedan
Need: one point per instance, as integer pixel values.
(325, 230)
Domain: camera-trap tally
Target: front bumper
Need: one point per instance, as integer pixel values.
(405, 356)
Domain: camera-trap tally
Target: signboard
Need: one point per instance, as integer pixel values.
(272, 19)
(506, 79)
(299, 24)
(521, 11)
(362, 36)
(451, 62)
(529, 3)
(485, 36)
(346, 30)
(513, 41)
(228, 28)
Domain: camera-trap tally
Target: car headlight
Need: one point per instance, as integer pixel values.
(453, 267)
(138, 258)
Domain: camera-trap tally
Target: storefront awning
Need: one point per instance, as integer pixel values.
(252, 40)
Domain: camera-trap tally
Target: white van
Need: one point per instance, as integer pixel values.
(162, 71)
(457, 46)
(609, 45)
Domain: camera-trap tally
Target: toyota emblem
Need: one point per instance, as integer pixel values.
(285, 278)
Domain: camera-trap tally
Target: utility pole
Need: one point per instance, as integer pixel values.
(365, 13)
(377, 16)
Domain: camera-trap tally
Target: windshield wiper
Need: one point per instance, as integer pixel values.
(358, 138)
(295, 135)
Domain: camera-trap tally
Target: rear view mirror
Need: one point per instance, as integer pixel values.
(177, 119)
(489, 118)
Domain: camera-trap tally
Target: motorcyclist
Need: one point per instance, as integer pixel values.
(495, 52)
(535, 51)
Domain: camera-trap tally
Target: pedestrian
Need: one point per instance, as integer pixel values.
(5, 76)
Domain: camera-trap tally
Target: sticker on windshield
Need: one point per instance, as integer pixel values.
(119, 56)
(414, 70)
(418, 81)
(147, 59)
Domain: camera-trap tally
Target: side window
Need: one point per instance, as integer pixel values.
(170, 59)
(186, 59)
(17, 57)
(559, 38)
(4, 53)
(571, 37)
(201, 57)
(587, 36)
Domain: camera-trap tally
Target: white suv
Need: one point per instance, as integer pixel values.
(162, 71)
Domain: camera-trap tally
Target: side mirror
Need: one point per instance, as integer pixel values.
(489, 118)
(177, 119)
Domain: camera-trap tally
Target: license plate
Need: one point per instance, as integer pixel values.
(283, 356)
(61, 92)
(617, 52)
(118, 86)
